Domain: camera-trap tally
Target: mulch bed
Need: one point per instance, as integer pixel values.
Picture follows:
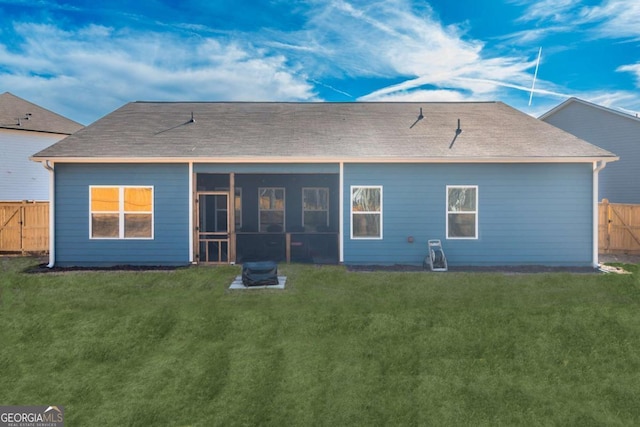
(42, 268)
(480, 269)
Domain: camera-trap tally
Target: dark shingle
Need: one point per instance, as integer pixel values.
(14, 112)
(341, 131)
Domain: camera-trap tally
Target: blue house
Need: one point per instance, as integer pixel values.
(157, 183)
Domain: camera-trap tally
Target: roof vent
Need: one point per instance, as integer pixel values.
(458, 132)
(420, 117)
(27, 116)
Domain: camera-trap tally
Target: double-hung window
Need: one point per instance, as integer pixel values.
(121, 212)
(366, 212)
(271, 205)
(315, 208)
(462, 211)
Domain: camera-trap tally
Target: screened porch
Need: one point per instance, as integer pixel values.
(276, 217)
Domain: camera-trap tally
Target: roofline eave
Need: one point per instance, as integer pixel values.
(65, 134)
(346, 159)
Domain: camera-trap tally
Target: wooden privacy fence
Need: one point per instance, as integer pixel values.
(24, 227)
(619, 227)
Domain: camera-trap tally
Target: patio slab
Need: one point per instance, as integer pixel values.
(237, 284)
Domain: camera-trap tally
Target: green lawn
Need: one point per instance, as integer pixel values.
(336, 348)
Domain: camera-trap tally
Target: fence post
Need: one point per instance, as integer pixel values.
(21, 223)
(607, 224)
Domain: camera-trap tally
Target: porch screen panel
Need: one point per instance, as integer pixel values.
(315, 208)
(271, 205)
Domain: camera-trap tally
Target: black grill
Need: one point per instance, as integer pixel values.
(261, 273)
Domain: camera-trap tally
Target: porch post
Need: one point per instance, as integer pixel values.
(232, 218)
(192, 177)
(341, 224)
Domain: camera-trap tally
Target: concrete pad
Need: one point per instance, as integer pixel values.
(237, 284)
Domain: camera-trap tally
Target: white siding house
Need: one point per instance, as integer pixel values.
(25, 129)
(609, 129)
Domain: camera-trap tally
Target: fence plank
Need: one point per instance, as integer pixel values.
(24, 227)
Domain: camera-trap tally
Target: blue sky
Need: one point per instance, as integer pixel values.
(83, 59)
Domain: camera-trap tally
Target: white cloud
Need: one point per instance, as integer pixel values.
(420, 95)
(615, 18)
(534, 36)
(550, 10)
(442, 64)
(615, 100)
(382, 39)
(634, 69)
(394, 38)
(87, 72)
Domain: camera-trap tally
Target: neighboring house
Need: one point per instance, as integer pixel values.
(611, 130)
(357, 183)
(26, 128)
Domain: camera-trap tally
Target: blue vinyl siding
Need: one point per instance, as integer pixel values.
(527, 213)
(170, 245)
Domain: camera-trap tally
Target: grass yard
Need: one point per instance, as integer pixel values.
(335, 348)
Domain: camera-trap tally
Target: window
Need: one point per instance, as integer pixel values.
(462, 212)
(121, 212)
(315, 208)
(366, 212)
(271, 207)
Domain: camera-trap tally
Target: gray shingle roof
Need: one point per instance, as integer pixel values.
(320, 131)
(14, 112)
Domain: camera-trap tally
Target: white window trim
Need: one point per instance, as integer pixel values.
(315, 210)
(121, 212)
(360, 213)
(446, 208)
(284, 207)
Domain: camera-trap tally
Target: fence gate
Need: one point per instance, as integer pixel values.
(24, 227)
(619, 227)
